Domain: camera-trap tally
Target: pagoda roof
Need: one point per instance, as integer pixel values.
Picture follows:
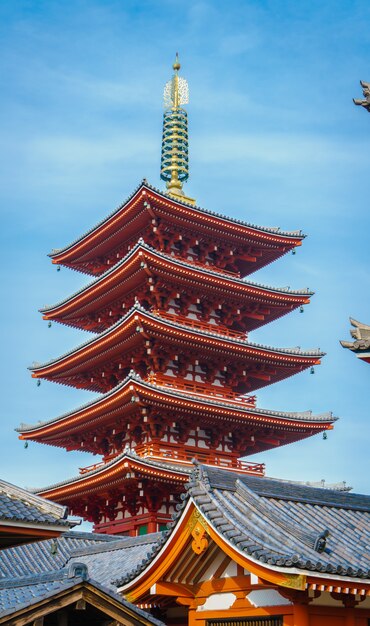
(115, 471)
(115, 280)
(270, 527)
(109, 405)
(106, 234)
(108, 345)
(361, 344)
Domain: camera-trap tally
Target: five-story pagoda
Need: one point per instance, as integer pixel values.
(171, 311)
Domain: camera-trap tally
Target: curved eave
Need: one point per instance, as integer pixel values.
(362, 352)
(95, 411)
(160, 564)
(108, 282)
(231, 227)
(169, 550)
(107, 341)
(114, 471)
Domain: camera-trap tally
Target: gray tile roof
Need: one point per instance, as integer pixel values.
(16, 594)
(281, 523)
(106, 556)
(107, 562)
(48, 555)
(26, 591)
(19, 505)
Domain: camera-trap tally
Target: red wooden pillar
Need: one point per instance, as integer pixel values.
(350, 617)
(301, 617)
(152, 525)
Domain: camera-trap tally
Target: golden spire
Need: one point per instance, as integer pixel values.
(175, 149)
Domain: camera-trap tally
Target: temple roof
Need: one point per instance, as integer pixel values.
(194, 268)
(204, 403)
(119, 467)
(278, 524)
(361, 335)
(107, 287)
(108, 561)
(75, 366)
(18, 596)
(106, 556)
(108, 230)
(47, 555)
(25, 517)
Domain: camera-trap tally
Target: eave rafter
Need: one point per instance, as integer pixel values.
(148, 207)
(155, 278)
(135, 403)
(177, 569)
(101, 363)
(112, 473)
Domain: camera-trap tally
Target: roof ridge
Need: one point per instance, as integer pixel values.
(121, 542)
(24, 495)
(179, 261)
(130, 454)
(133, 376)
(138, 307)
(297, 234)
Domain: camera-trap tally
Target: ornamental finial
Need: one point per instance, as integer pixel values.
(176, 66)
(175, 147)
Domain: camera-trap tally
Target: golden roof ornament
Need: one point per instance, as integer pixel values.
(175, 147)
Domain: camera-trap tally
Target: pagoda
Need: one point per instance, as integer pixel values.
(171, 311)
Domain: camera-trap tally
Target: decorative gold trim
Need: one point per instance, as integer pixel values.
(294, 581)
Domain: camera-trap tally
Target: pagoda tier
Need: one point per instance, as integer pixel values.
(128, 495)
(164, 282)
(170, 225)
(161, 422)
(167, 350)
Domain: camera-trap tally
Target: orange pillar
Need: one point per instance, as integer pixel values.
(350, 617)
(301, 615)
(152, 525)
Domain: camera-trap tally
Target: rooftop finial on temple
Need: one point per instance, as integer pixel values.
(176, 66)
(175, 147)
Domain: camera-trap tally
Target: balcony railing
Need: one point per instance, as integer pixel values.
(202, 389)
(199, 325)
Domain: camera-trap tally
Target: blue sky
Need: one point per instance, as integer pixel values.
(275, 140)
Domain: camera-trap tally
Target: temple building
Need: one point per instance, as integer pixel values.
(365, 101)
(171, 306)
(187, 529)
(361, 344)
(242, 550)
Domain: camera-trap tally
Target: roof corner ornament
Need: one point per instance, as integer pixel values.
(78, 570)
(175, 146)
(366, 91)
